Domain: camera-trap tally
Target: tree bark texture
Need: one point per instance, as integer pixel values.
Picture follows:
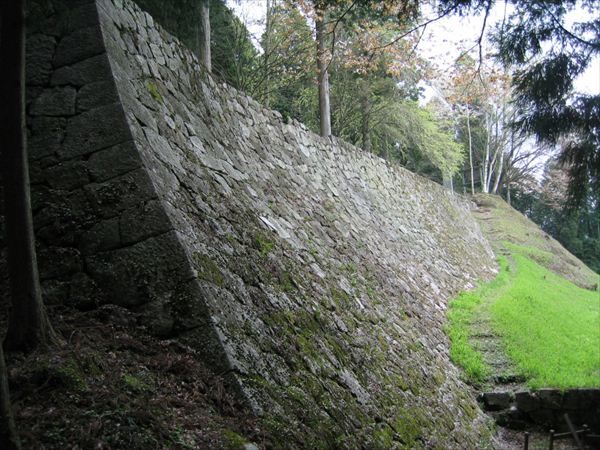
(267, 49)
(9, 439)
(322, 74)
(366, 115)
(28, 325)
(470, 151)
(204, 41)
(486, 160)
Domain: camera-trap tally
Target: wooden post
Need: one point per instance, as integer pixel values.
(526, 443)
(573, 432)
(585, 433)
(551, 442)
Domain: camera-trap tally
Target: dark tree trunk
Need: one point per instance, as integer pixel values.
(28, 325)
(322, 73)
(9, 439)
(204, 35)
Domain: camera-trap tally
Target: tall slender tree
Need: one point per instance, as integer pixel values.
(28, 325)
(322, 69)
(204, 35)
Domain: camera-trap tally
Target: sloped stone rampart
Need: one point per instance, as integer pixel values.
(312, 273)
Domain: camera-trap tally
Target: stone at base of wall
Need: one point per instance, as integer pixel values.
(544, 408)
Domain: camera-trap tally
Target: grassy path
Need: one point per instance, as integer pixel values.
(501, 369)
(529, 325)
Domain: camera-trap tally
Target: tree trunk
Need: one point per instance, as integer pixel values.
(204, 35)
(498, 174)
(485, 187)
(28, 325)
(267, 50)
(447, 182)
(470, 151)
(366, 114)
(9, 439)
(322, 73)
(508, 193)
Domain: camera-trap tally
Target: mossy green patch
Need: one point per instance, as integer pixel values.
(286, 282)
(234, 440)
(178, 438)
(263, 245)
(340, 298)
(138, 383)
(383, 438)
(70, 375)
(153, 91)
(409, 426)
(208, 270)
(191, 157)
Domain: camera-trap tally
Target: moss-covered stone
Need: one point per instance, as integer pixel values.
(153, 91)
(234, 440)
(263, 245)
(208, 270)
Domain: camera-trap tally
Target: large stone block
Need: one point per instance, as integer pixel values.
(94, 130)
(95, 95)
(46, 136)
(582, 399)
(81, 44)
(55, 102)
(40, 50)
(59, 262)
(111, 197)
(67, 176)
(91, 70)
(103, 236)
(497, 401)
(113, 162)
(143, 221)
(145, 272)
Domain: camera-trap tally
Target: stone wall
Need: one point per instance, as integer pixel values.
(544, 408)
(315, 275)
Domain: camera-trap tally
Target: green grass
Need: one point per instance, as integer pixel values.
(463, 311)
(550, 327)
(540, 256)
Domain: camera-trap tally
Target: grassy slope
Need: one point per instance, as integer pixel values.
(504, 225)
(549, 326)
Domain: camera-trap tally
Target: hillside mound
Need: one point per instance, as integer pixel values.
(501, 223)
